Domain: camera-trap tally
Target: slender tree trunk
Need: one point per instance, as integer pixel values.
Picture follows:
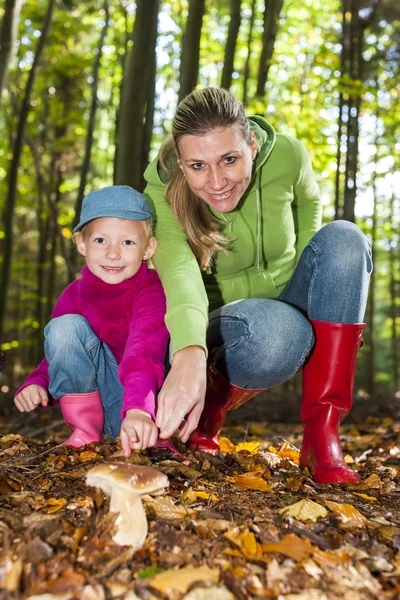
(246, 73)
(149, 119)
(372, 285)
(271, 16)
(8, 33)
(122, 61)
(230, 48)
(13, 173)
(190, 57)
(92, 119)
(394, 260)
(135, 95)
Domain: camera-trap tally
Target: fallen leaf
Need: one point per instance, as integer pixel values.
(246, 542)
(348, 514)
(250, 447)
(226, 445)
(288, 452)
(251, 481)
(87, 455)
(290, 545)
(206, 496)
(389, 532)
(365, 497)
(214, 593)
(188, 496)
(164, 508)
(55, 504)
(304, 510)
(182, 579)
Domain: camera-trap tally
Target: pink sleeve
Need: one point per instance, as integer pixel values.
(40, 376)
(141, 371)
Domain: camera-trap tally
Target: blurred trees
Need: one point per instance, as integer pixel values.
(86, 103)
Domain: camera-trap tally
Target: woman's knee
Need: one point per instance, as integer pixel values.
(66, 329)
(344, 244)
(277, 342)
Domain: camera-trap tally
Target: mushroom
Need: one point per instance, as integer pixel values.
(125, 483)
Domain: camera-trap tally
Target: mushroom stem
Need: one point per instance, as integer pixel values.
(132, 521)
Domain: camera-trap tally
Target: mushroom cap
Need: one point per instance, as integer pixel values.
(137, 479)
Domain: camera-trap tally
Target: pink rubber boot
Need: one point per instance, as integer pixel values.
(84, 414)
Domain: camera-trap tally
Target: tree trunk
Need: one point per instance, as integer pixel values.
(246, 72)
(135, 94)
(394, 262)
(149, 119)
(271, 17)
(230, 48)
(371, 324)
(13, 173)
(190, 56)
(8, 34)
(92, 119)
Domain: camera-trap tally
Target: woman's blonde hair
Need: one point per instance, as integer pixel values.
(200, 112)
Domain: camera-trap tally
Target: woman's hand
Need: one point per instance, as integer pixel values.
(30, 397)
(182, 394)
(138, 431)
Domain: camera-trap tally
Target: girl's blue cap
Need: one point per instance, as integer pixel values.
(119, 201)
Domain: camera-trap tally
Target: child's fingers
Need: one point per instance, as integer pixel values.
(125, 443)
(153, 437)
(44, 398)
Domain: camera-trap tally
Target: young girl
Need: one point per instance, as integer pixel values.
(105, 345)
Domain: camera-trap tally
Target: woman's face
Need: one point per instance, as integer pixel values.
(217, 166)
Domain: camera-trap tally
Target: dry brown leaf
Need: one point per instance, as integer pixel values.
(89, 455)
(164, 508)
(188, 496)
(11, 572)
(214, 593)
(182, 579)
(350, 517)
(372, 482)
(251, 481)
(389, 532)
(304, 510)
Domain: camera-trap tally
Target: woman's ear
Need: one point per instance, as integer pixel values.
(150, 248)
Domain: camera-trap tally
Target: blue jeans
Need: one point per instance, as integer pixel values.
(80, 363)
(261, 342)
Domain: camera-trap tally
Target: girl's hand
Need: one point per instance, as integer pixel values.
(138, 431)
(31, 397)
(182, 394)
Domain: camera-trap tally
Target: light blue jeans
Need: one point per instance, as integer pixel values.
(80, 363)
(261, 343)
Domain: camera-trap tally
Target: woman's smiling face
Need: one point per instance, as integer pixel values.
(217, 166)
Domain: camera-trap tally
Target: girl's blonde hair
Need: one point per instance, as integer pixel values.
(200, 112)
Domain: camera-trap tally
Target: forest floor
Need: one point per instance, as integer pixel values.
(245, 524)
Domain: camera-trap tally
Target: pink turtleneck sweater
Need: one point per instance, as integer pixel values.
(129, 318)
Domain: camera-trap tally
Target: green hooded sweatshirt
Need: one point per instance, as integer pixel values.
(274, 220)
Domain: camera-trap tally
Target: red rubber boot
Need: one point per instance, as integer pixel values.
(84, 414)
(221, 396)
(328, 380)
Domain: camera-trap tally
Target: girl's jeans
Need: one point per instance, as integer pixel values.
(80, 363)
(261, 343)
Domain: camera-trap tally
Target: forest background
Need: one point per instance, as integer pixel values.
(87, 94)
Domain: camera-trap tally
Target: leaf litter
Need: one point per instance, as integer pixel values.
(246, 523)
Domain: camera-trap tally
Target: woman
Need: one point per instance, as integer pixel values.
(251, 278)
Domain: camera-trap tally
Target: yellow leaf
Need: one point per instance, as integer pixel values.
(246, 542)
(389, 532)
(164, 508)
(272, 449)
(251, 447)
(55, 504)
(304, 510)
(289, 452)
(206, 496)
(88, 455)
(290, 545)
(181, 579)
(226, 445)
(372, 482)
(348, 459)
(348, 514)
(188, 497)
(366, 497)
(251, 481)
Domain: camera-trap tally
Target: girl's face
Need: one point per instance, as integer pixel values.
(115, 248)
(217, 166)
